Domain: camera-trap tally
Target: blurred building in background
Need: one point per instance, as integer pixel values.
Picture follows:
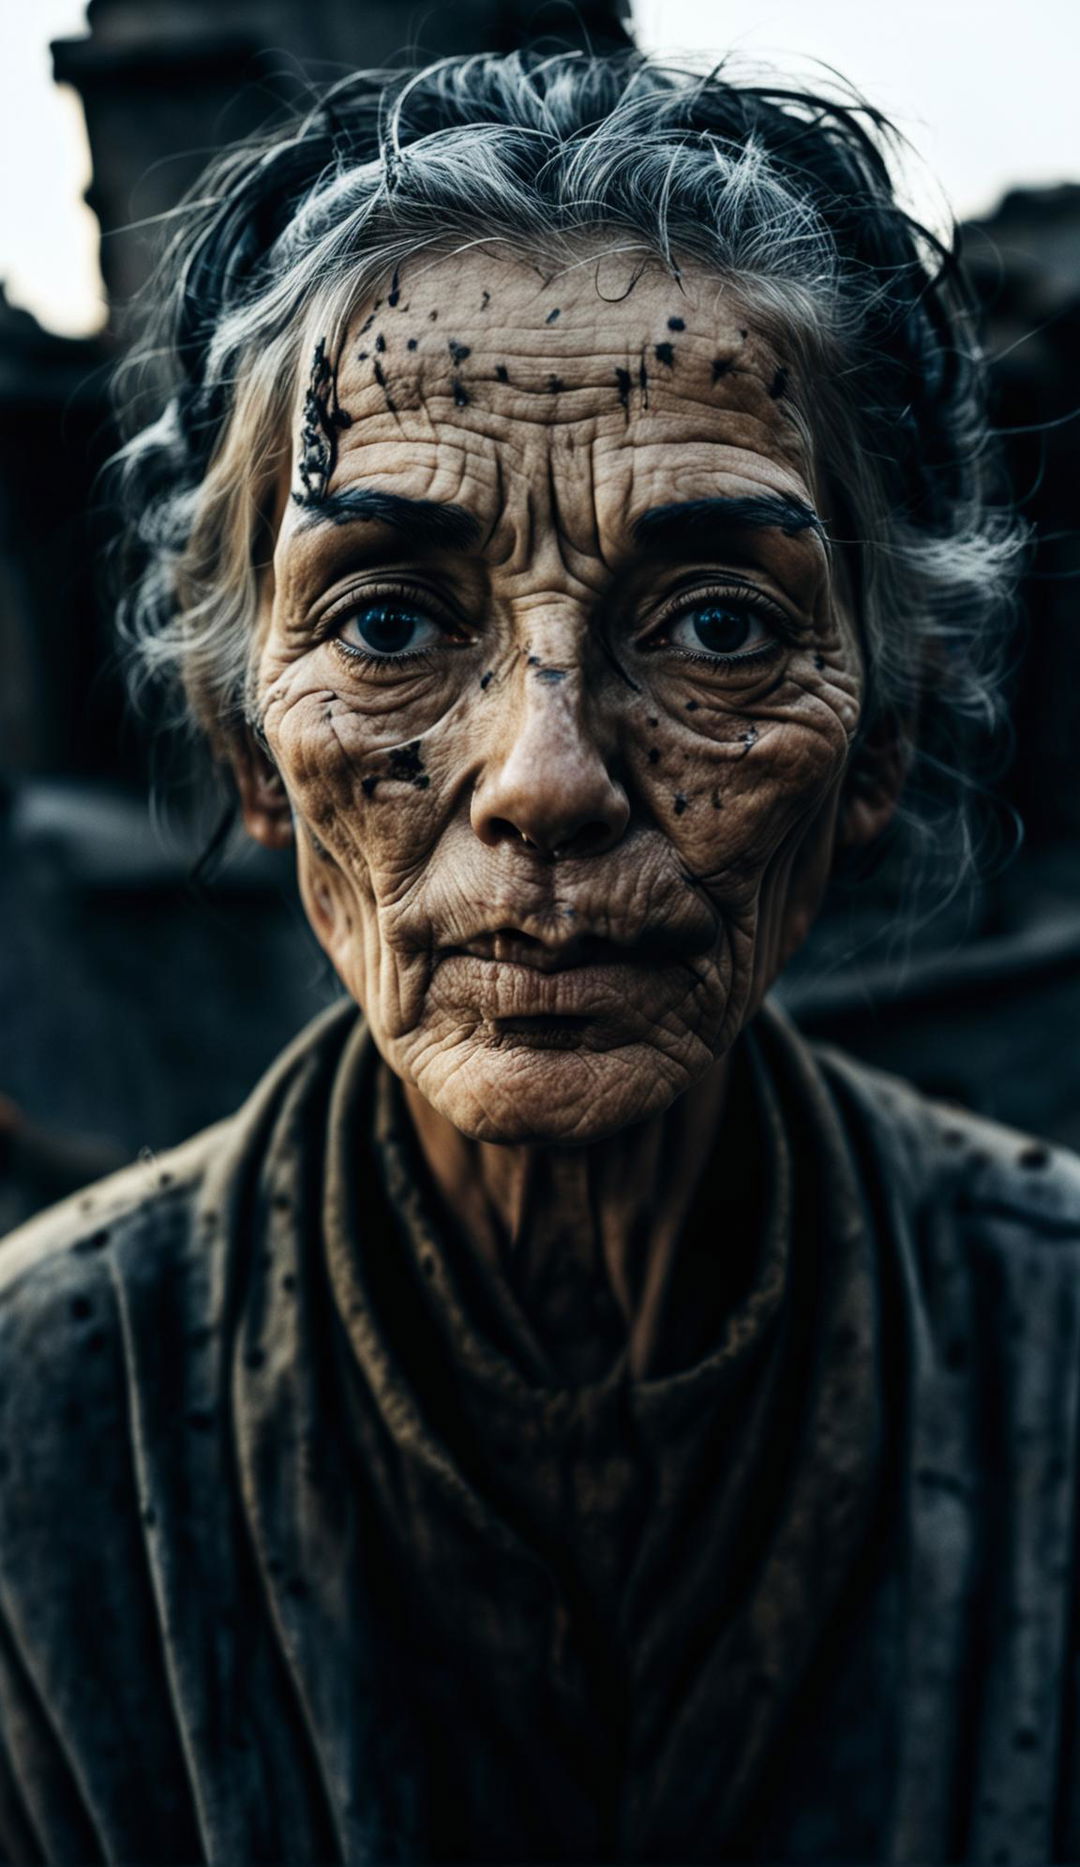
(134, 1008)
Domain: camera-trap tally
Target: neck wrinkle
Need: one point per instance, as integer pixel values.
(588, 1238)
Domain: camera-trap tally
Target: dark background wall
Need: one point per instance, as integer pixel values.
(135, 1007)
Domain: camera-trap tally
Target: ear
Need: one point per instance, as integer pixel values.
(264, 801)
(873, 784)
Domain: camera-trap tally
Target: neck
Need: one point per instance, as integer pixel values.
(588, 1237)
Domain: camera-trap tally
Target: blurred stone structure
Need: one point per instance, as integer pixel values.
(133, 1008)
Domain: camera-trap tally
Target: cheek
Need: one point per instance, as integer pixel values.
(733, 788)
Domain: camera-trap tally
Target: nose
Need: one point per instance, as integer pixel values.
(548, 783)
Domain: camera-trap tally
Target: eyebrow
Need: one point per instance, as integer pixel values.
(691, 524)
(427, 523)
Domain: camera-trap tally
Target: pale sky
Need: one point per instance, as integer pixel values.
(986, 91)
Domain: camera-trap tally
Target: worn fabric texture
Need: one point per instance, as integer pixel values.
(308, 1551)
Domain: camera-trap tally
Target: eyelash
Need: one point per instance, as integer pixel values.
(672, 612)
(751, 598)
(418, 599)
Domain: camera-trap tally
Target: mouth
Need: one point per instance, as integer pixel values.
(560, 996)
(508, 946)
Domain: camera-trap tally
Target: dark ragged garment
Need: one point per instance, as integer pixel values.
(307, 1554)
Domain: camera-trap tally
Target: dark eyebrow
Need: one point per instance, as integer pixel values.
(427, 523)
(692, 524)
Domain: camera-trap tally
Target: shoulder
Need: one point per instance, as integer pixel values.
(939, 1157)
(64, 1251)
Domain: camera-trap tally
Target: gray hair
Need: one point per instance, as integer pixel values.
(785, 195)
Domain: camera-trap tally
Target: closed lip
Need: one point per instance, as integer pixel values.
(513, 947)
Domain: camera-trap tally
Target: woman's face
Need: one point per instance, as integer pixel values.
(557, 682)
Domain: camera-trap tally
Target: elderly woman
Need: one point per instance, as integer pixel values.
(561, 1417)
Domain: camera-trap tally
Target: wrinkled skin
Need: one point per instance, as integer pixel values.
(556, 843)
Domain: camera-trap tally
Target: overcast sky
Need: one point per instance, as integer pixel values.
(987, 93)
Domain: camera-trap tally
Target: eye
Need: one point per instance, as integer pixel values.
(383, 630)
(729, 630)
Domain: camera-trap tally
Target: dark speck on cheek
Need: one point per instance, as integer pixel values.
(691, 706)
(395, 290)
(555, 385)
(406, 762)
(665, 353)
(653, 720)
(485, 301)
(486, 679)
(554, 316)
(502, 374)
(819, 661)
(750, 739)
(411, 345)
(676, 324)
(622, 377)
(461, 394)
(380, 343)
(680, 803)
(458, 352)
(654, 755)
(362, 356)
(721, 367)
(367, 324)
(432, 317)
(534, 661)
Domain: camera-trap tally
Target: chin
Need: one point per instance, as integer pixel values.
(546, 1086)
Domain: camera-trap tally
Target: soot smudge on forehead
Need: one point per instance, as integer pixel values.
(321, 422)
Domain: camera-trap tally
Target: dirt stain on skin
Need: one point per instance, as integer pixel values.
(665, 353)
(486, 680)
(406, 763)
(625, 382)
(502, 374)
(676, 324)
(394, 295)
(722, 366)
(555, 385)
(461, 394)
(554, 316)
(320, 425)
(458, 352)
